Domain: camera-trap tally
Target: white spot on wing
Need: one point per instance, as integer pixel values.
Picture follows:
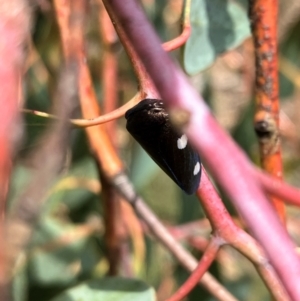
(182, 142)
(196, 168)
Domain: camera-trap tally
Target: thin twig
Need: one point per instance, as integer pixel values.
(206, 260)
(181, 40)
(115, 236)
(118, 113)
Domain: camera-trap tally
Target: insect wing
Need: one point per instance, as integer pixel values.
(148, 122)
(182, 160)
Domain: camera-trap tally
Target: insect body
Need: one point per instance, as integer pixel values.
(148, 122)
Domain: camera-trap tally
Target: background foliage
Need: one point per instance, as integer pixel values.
(67, 252)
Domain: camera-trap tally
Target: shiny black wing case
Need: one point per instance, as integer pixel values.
(148, 122)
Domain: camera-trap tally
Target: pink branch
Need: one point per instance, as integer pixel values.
(224, 227)
(274, 186)
(227, 162)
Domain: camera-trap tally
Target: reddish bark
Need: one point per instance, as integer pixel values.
(264, 20)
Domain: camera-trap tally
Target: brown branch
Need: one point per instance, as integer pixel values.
(115, 233)
(106, 157)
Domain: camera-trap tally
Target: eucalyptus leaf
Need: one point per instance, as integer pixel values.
(51, 260)
(289, 50)
(217, 26)
(109, 289)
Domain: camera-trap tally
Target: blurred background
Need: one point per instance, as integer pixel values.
(68, 246)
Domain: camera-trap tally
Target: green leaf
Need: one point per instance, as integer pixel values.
(217, 26)
(74, 197)
(53, 262)
(109, 289)
(20, 285)
(289, 50)
(19, 180)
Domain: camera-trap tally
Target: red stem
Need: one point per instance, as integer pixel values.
(203, 265)
(274, 186)
(109, 69)
(180, 40)
(225, 228)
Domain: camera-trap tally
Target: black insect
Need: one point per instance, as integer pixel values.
(148, 122)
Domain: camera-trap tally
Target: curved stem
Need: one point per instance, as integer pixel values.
(206, 260)
(181, 40)
(84, 123)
